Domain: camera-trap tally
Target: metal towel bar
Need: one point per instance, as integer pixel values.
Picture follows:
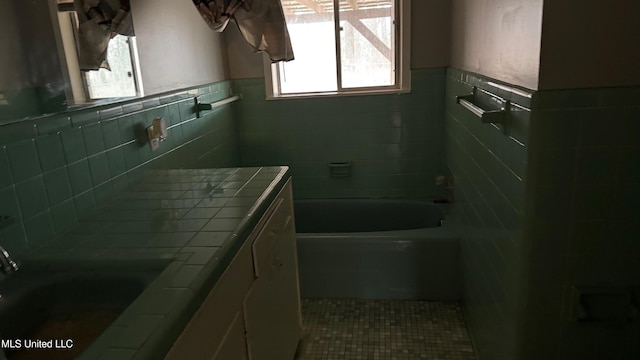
(199, 107)
(499, 116)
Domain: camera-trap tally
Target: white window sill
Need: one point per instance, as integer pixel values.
(339, 94)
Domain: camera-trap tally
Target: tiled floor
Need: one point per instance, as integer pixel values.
(339, 329)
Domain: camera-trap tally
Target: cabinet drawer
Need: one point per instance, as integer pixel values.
(276, 225)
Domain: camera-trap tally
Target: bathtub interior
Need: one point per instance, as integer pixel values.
(364, 215)
(420, 263)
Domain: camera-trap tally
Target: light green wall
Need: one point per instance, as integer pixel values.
(490, 170)
(546, 210)
(395, 143)
(583, 220)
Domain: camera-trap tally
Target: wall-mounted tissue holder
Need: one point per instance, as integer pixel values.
(340, 169)
(605, 304)
(157, 132)
(479, 100)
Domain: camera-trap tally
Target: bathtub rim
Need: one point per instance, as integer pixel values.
(451, 229)
(433, 232)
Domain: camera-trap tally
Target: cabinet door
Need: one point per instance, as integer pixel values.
(203, 335)
(233, 346)
(272, 307)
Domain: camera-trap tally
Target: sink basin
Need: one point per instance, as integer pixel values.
(60, 305)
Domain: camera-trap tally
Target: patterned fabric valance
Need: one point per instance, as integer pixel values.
(261, 23)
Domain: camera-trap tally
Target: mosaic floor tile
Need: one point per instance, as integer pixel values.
(350, 329)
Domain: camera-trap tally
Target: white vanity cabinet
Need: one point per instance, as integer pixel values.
(253, 311)
(272, 306)
(234, 344)
(210, 326)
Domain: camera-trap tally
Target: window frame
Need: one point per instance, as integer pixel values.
(135, 74)
(402, 53)
(77, 92)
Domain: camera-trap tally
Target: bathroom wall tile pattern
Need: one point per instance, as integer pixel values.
(395, 143)
(349, 329)
(490, 169)
(571, 186)
(582, 146)
(57, 169)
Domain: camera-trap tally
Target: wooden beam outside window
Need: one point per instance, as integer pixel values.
(354, 4)
(311, 4)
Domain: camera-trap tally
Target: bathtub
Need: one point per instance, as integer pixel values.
(376, 249)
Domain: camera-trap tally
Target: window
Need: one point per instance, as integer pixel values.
(342, 47)
(120, 80)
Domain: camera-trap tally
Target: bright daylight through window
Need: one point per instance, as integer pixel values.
(119, 79)
(343, 46)
(118, 76)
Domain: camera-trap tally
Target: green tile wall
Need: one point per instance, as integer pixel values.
(547, 209)
(395, 143)
(56, 169)
(490, 169)
(583, 228)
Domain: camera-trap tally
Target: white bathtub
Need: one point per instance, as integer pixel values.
(376, 249)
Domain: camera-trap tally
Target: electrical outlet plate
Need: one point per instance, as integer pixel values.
(154, 142)
(157, 132)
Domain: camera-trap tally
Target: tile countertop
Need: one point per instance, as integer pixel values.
(188, 222)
